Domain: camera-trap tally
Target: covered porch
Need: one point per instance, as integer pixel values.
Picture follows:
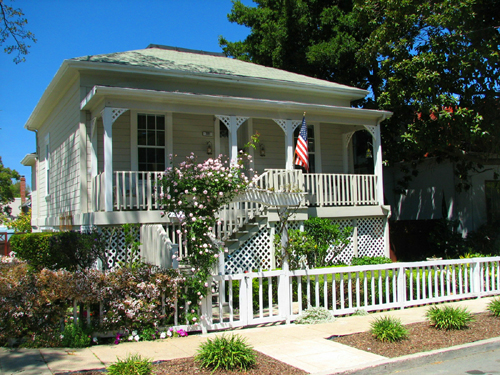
(210, 125)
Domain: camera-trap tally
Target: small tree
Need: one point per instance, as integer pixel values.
(317, 245)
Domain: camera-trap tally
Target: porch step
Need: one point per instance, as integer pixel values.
(245, 233)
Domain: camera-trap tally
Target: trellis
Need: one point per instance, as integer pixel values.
(257, 252)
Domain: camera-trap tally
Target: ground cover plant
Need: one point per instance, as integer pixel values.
(494, 307)
(315, 315)
(131, 365)
(448, 317)
(389, 329)
(226, 352)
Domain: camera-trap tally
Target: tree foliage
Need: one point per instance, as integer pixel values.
(13, 32)
(434, 64)
(6, 194)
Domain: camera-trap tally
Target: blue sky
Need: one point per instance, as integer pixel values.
(72, 28)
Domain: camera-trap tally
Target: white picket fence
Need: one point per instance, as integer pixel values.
(264, 297)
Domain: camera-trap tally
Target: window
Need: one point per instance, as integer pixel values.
(310, 147)
(492, 190)
(151, 142)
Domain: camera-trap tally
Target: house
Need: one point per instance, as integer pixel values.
(106, 125)
(432, 195)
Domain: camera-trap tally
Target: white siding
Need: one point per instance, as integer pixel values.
(62, 125)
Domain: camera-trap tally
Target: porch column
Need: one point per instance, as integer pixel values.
(109, 116)
(93, 141)
(288, 126)
(232, 123)
(377, 161)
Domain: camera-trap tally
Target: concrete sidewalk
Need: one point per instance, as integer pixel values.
(302, 346)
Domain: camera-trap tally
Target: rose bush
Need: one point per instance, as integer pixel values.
(194, 192)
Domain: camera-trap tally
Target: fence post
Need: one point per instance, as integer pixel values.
(204, 312)
(401, 286)
(476, 274)
(244, 307)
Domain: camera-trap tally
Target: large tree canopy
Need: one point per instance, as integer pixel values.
(12, 31)
(434, 63)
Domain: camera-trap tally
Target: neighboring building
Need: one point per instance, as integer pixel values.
(107, 123)
(432, 194)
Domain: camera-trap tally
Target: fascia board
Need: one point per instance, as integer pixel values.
(344, 92)
(29, 160)
(63, 78)
(98, 93)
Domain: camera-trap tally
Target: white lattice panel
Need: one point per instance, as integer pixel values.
(255, 253)
(345, 256)
(115, 249)
(371, 237)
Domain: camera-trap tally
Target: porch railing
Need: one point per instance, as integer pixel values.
(141, 190)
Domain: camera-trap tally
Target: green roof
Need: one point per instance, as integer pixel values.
(206, 63)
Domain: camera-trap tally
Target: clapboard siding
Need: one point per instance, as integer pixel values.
(187, 135)
(331, 148)
(62, 126)
(273, 139)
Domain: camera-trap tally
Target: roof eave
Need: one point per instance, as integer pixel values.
(345, 92)
(98, 93)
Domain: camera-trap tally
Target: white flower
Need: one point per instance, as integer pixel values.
(169, 333)
(163, 335)
(130, 338)
(137, 338)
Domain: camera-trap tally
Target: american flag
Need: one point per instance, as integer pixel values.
(301, 151)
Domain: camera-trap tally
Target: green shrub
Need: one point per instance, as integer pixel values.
(66, 250)
(365, 261)
(448, 317)
(314, 315)
(74, 336)
(388, 329)
(33, 248)
(228, 353)
(133, 364)
(494, 306)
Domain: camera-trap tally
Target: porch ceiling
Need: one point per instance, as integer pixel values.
(101, 96)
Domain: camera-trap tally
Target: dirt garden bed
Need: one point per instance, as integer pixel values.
(422, 337)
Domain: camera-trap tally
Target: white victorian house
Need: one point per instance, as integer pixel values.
(106, 125)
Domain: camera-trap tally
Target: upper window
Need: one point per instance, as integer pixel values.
(310, 147)
(151, 142)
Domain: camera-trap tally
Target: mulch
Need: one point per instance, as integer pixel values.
(422, 337)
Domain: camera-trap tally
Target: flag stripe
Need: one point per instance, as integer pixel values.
(301, 151)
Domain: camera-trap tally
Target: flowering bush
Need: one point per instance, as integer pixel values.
(195, 192)
(35, 302)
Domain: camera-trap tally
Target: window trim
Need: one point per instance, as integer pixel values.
(47, 152)
(134, 144)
